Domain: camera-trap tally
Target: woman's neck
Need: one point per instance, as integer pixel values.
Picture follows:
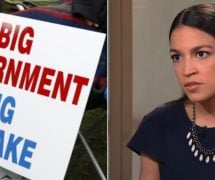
(205, 113)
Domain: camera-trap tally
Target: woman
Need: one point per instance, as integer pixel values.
(176, 141)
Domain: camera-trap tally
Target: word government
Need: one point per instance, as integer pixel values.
(41, 80)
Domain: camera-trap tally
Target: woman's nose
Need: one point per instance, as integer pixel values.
(189, 67)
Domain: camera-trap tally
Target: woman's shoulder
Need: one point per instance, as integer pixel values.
(153, 129)
(166, 109)
(165, 116)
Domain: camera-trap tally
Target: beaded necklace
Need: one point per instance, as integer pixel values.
(203, 154)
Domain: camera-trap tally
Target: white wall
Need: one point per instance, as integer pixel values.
(153, 78)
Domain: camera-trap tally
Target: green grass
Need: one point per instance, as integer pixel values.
(94, 129)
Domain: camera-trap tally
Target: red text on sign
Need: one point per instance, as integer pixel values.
(16, 38)
(42, 80)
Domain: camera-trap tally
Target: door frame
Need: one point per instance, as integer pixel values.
(120, 89)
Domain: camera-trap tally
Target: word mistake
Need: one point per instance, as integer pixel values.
(15, 148)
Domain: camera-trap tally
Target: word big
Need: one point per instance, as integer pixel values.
(10, 36)
(7, 106)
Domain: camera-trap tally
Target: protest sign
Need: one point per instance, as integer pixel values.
(46, 73)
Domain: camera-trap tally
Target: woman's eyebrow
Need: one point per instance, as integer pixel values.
(174, 50)
(193, 49)
(200, 47)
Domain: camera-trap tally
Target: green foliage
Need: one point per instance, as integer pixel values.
(94, 129)
(8, 6)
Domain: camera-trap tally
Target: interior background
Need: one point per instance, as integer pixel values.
(152, 75)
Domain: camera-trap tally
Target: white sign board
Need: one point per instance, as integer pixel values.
(46, 73)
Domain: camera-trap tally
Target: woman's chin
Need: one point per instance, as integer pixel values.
(200, 98)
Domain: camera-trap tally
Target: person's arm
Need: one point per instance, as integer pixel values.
(149, 169)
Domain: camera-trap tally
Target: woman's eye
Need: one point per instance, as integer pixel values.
(202, 54)
(176, 57)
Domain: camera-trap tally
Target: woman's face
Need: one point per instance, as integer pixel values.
(193, 55)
